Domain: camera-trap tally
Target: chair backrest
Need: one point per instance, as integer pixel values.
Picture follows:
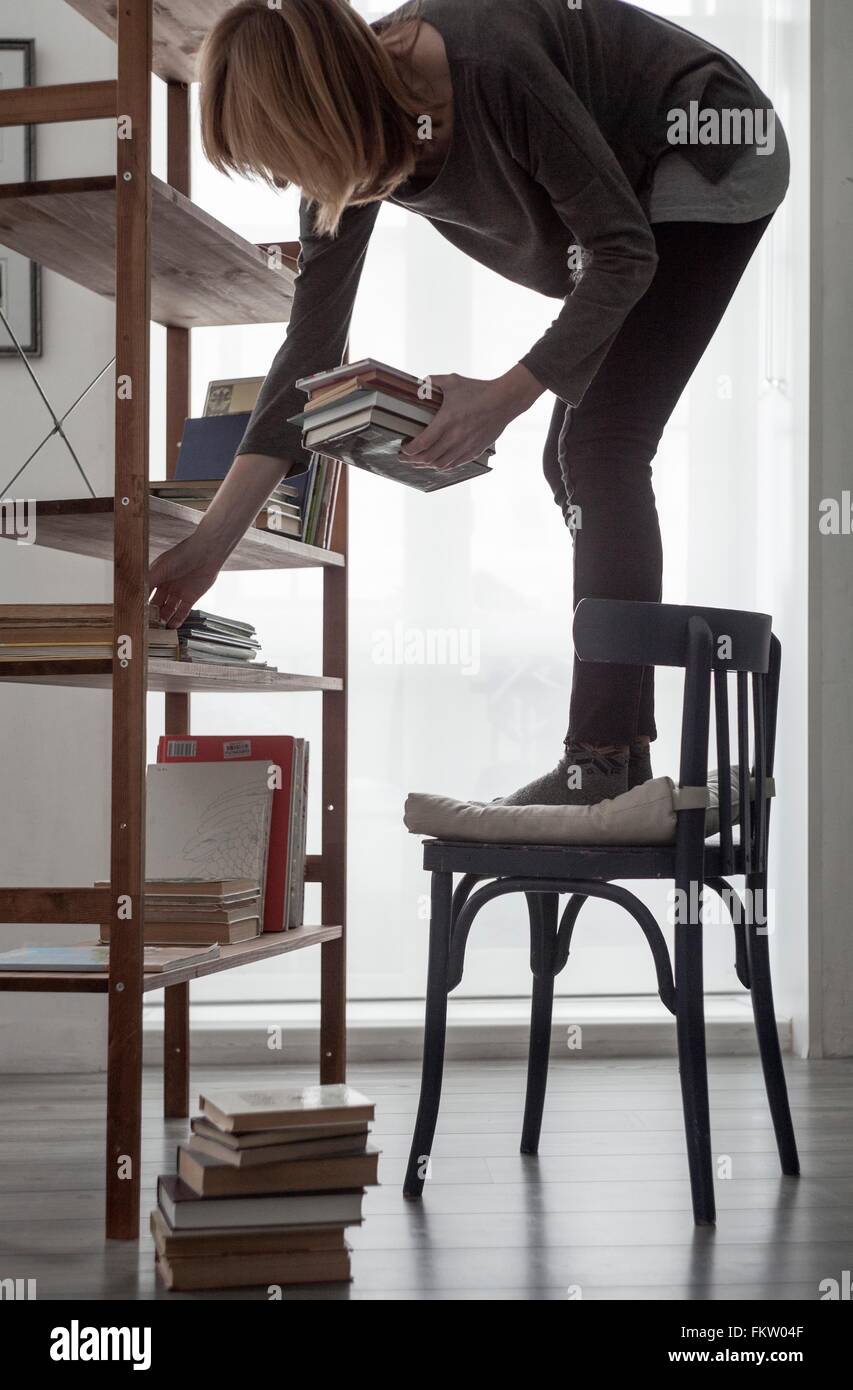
(711, 644)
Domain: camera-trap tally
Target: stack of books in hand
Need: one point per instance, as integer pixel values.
(226, 641)
(364, 412)
(192, 912)
(265, 1188)
(71, 632)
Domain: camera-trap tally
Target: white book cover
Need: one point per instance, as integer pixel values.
(208, 820)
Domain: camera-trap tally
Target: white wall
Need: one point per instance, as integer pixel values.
(55, 742)
(830, 748)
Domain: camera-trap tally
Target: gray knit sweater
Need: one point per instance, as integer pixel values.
(560, 118)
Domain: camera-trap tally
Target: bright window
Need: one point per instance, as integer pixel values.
(489, 564)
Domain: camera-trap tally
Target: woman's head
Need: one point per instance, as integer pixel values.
(304, 92)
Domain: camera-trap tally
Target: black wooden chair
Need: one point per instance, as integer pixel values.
(710, 644)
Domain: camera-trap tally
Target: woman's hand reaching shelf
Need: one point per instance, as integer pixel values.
(180, 576)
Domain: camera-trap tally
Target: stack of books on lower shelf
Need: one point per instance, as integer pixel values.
(71, 632)
(364, 412)
(193, 912)
(226, 641)
(265, 1189)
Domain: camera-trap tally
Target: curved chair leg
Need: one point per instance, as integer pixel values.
(435, 1025)
(693, 1068)
(543, 909)
(765, 1024)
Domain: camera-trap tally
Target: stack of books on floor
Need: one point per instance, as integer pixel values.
(195, 912)
(265, 1189)
(364, 412)
(71, 632)
(226, 641)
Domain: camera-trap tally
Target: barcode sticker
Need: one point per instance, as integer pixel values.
(237, 748)
(181, 748)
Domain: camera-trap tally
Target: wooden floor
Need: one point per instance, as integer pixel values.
(604, 1210)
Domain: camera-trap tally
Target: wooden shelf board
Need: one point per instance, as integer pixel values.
(181, 677)
(84, 526)
(179, 27)
(202, 273)
(242, 953)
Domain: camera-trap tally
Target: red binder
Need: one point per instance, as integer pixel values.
(284, 887)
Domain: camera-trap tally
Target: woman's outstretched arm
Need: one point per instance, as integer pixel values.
(180, 576)
(329, 272)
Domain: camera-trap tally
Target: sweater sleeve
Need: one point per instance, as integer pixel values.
(323, 299)
(552, 135)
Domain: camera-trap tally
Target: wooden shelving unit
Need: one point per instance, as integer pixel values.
(202, 274)
(85, 526)
(241, 953)
(144, 243)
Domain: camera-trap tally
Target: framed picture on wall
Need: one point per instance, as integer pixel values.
(20, 280)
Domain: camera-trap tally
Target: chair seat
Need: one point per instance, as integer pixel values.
(630, 836)
(609, 863)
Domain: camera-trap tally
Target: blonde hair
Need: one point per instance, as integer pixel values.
(305, 92)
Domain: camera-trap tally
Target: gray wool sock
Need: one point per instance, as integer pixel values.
(639, 764)
(582, 777)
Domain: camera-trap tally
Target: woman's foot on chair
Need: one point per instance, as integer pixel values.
(583, 776)
(639, 763)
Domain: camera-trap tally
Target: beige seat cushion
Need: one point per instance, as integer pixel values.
(646, 815)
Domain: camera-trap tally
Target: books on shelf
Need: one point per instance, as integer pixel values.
(319, 488)
(281, 512)
(232, 396)
(288, 758)
(71, 632)
(265, 1188)
(206, 636)
(207, 821)
(207, 450)
(195, 911)
(208, 446)
(302, 508)
(94, 958)
(363, 412)
(84, 632)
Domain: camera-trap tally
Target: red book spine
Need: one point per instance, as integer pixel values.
(278, 750)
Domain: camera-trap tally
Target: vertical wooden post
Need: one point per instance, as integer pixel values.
(176, 999)
(130, 615)
(178, 173)
(176, 1052)
(333, 987)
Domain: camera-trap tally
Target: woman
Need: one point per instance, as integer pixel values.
(592, 152)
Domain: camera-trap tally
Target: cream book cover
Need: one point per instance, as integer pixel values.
(208, 820)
